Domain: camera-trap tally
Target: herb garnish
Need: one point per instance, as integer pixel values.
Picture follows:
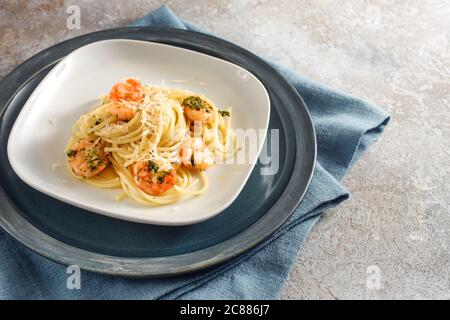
(196, 103)
(71, 153)
(161, 175)
(92, 159)
(192, 102)
(225, 113)
(152, 166)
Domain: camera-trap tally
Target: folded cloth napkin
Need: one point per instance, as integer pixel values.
(345, 127)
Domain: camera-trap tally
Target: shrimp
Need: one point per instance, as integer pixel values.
(195, 155)
(130, 91)
(87, 158)
(196, 109)
(151, 179)
(121, 112)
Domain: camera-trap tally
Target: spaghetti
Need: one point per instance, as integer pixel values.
(153, 142)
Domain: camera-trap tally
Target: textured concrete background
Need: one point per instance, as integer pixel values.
(391, 239)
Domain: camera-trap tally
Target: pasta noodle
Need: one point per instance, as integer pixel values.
(152, 142)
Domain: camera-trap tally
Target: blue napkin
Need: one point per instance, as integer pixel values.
(345, 127)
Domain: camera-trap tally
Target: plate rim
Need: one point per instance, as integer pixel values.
(156, 266)
(30, 181)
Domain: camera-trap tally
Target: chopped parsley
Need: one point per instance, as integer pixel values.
(225, 113)
(92, 159)
(192, 102)
(161, 175)
(71, 153)
(196, 103)
(93, 165)
(152, 166)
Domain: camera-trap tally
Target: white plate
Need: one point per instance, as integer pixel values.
(39, 136)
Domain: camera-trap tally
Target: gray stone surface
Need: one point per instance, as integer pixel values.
(396, 54)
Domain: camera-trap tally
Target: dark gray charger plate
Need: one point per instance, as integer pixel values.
(70, 235)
